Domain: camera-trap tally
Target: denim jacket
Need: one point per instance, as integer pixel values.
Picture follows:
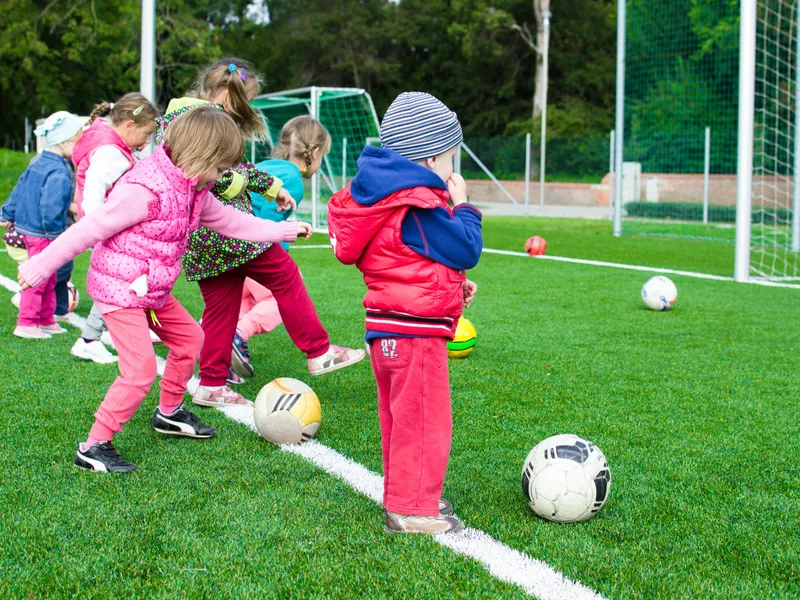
(39, 203)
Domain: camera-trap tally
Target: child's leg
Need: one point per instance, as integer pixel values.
(95, 325)
(263, 317)
(276, 270)
(35, 302)
(384, 414)
(184, 338)
(137, 365)
(222, 296)
(419, 421)
(62, 292)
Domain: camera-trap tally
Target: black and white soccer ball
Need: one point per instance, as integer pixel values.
(566, 479)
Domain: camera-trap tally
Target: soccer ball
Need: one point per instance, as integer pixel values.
(74, 296)
(287, 411)
(566, 479)
(464, 342)
(535, 246)
(659, 293)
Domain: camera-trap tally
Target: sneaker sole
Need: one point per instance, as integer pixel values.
(87, 464)
(209, 403)
(337, 367)
(196, 436)
(26, 336)
(240, 366)
(456, 529)
(94, 359)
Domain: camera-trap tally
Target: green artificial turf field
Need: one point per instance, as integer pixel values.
(696, 410)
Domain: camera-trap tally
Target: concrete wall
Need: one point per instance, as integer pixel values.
(670, 188)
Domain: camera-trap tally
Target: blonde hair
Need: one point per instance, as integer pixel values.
(204, 138)
(300, 136)
(131, 107)
(240, 79)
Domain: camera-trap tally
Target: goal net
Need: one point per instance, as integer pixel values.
(775, 229)
(349, 116)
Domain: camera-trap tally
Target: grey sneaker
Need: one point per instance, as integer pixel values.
(397, 523)
(445, 508)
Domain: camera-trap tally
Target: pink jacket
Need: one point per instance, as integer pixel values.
(143, 229)
(98, 134)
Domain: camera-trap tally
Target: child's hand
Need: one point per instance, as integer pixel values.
(5, 224)
(457, 188)
(285, 201)
(303, 230)
(470, 289)
(21, 280)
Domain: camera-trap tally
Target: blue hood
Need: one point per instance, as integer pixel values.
(382, 172)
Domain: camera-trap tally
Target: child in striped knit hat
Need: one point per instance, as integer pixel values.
(395, 222)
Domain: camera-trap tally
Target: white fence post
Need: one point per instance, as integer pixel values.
(527, 171)
(744, 168)
(612, 175)
(620, 116)
(706, 171)
(344, 162)
(796, 178)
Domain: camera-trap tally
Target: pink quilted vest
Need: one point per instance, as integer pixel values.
(152, 247)
(98, 134)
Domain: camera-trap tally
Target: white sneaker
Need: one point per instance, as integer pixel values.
(53, 329)
(397, 523)
(94, 351)
(223, 396)
(31, 333)
(105, 337)
(337, 357)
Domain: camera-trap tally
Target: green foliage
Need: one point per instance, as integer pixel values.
(12, 164)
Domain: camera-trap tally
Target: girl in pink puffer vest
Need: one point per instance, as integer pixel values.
(139, 236)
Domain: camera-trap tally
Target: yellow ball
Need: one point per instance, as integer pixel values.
(465, 340)
(287, 411)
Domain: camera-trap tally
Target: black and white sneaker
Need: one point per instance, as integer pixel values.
(182, 423)
(102, 457)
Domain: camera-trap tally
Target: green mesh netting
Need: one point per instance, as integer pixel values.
(347, 114)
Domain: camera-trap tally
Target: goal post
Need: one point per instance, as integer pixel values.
(349, 116)
(708, 131)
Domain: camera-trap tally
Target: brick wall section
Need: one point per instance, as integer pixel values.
(671, 188)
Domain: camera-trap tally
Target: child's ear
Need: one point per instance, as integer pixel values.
(431, 162)
(315, 153)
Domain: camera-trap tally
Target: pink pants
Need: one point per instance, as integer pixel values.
(259, 311)
(38, 305)
(129, 328)
(416, 421)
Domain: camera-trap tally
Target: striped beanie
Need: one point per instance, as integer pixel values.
(418, 126)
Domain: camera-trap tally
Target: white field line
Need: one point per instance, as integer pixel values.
(598, 263)
(502, 562)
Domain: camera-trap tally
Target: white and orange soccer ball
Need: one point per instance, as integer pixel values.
(287, 411)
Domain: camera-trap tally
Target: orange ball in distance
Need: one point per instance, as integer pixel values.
(535, 246)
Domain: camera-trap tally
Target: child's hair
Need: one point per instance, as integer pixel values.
(204, 138)
(239, 78)
(299, 137)
(131, 107)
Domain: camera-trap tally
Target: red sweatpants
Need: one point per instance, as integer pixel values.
(130, 330)
(416, 421)
(275, 270)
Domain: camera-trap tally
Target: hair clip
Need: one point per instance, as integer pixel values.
(231, 68)
(244, 75)
(138, 110)
(303, 170)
